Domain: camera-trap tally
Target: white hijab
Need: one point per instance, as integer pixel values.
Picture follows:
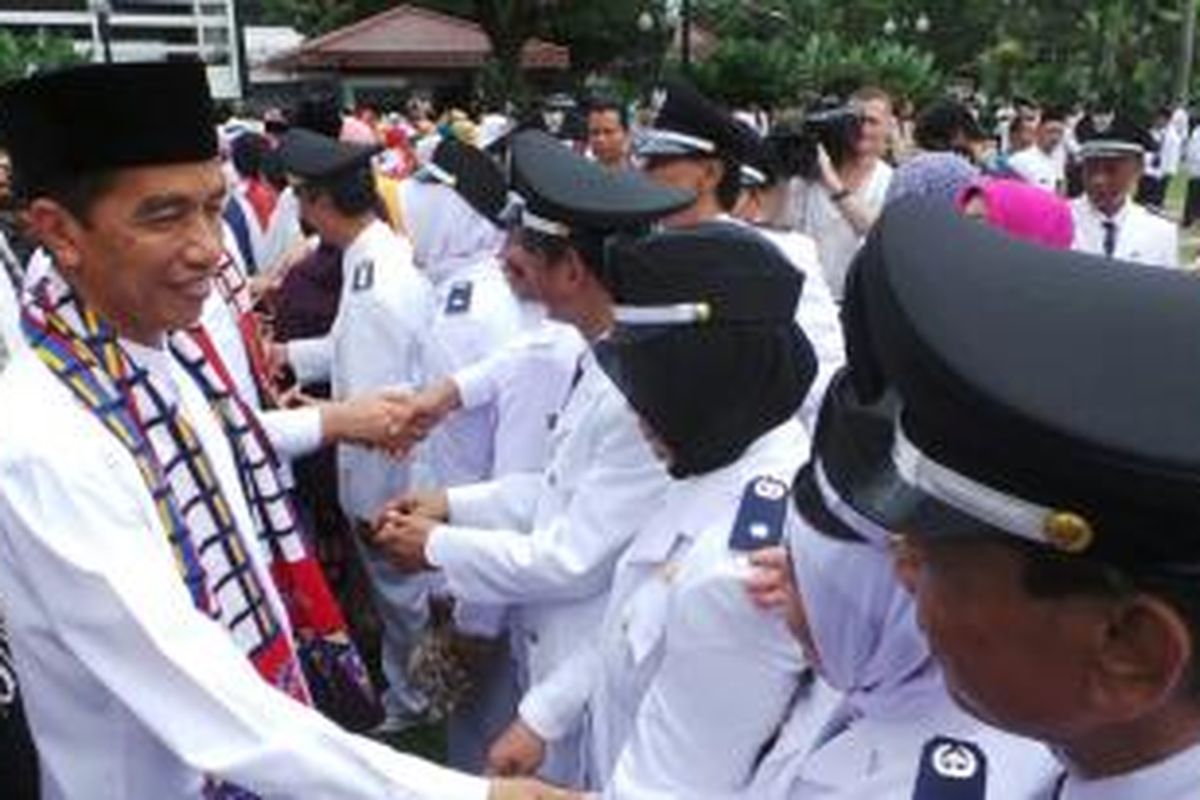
(861, 621)
(447, 233)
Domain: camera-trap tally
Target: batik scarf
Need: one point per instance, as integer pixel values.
(234, 290)
(84, 352)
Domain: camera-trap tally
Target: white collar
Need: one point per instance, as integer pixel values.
(1174, 777)
(1119, 218)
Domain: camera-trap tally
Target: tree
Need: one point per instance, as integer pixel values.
(23, 54)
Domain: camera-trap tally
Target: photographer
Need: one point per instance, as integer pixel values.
(837, 199)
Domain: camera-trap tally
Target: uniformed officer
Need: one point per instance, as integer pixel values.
(896, 733)
(380, 339)
(1046, 486)
(1108, 221)
(696, 145)
(549, 545)
(688, 679)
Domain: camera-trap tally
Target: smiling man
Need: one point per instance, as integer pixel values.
(161, 603)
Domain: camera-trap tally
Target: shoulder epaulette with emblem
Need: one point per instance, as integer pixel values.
(459, 301)
(951, 769)
(363, 277)
(760, 516)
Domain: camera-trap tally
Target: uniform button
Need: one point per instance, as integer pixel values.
(533, 638)
(552, 478)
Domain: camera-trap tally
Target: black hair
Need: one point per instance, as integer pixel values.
(78, 193)
(602, 104)
(1047, 574)
(247, 153)
(730, 187)
(352, 193)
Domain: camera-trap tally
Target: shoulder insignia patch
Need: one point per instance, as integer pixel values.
(459, 301)
(759, 521)
(951, 769)
(363, 277)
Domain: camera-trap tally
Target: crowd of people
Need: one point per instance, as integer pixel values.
(657, 452)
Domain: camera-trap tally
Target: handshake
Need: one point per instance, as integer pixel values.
(392, 421)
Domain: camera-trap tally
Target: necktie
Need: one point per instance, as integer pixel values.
(1110, 238)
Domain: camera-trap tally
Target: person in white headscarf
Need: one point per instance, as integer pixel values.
(896, 733)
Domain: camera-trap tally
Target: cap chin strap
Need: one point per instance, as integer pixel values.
(1099, 148)
(675, 137)
(844, 512)
(675, 314)
(1000, 510)
(542, 225)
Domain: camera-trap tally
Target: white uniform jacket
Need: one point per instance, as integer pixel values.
(849, 757)
(131, 692)
(1141, 236)
(380, 339)
(687, 680)
(548, 543)
(1176, 777)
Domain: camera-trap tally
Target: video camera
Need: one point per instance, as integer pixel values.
(835, 127)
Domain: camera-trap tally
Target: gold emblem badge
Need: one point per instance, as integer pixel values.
(1068, 532)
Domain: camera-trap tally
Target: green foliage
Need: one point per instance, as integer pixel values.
(23, 54)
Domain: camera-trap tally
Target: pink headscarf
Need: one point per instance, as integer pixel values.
(1025, 211)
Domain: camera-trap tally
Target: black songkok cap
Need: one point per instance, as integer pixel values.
(564, 192)
(706, 348)
(310, 157)
(470, 172)
(1043, 395)
(100, 117)
(686, 123)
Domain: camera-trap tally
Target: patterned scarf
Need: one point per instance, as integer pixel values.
(233, 288)
(318, 662)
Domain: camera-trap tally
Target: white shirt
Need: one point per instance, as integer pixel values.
(809, 210)
(816, 314)
(548, 543)
(11, 338)
(687, 679)
(874, 759)
(379, 339)
(1174, 778)
(1038, 167)
(1141, 236)
(1192, 154)
(131, 692)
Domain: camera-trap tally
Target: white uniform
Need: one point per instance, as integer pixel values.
(687, 680)
(1140, 235)
(131, 692)
(379, 339)
(878, 759)
(548, 543)
(817, 315)
(809, 210)
(1174, 778)
(1038, 168)
(10, 305)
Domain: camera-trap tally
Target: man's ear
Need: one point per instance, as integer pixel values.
(1144, 657)
(58, 230)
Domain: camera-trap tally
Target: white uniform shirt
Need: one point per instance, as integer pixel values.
(11, 338)
(130, 691)
(476, 315)
(1038, 168)
(816, 314)
(1174, 778)
(687, 679)
(874, 759)
(810, 211)
(1191, 155)
(548, 543)
(379, 339)
(1141, 236)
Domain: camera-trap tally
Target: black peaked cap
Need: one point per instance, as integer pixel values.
(568, 189)
(471, 173)
(689, 124)
(315, 158)
(737, 273)
(99, 117)
(1063, 379)
(1122, 137)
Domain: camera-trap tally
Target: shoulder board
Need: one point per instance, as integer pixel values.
(459, 301)
(759, 521)
(951, 769)
(363, 277)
